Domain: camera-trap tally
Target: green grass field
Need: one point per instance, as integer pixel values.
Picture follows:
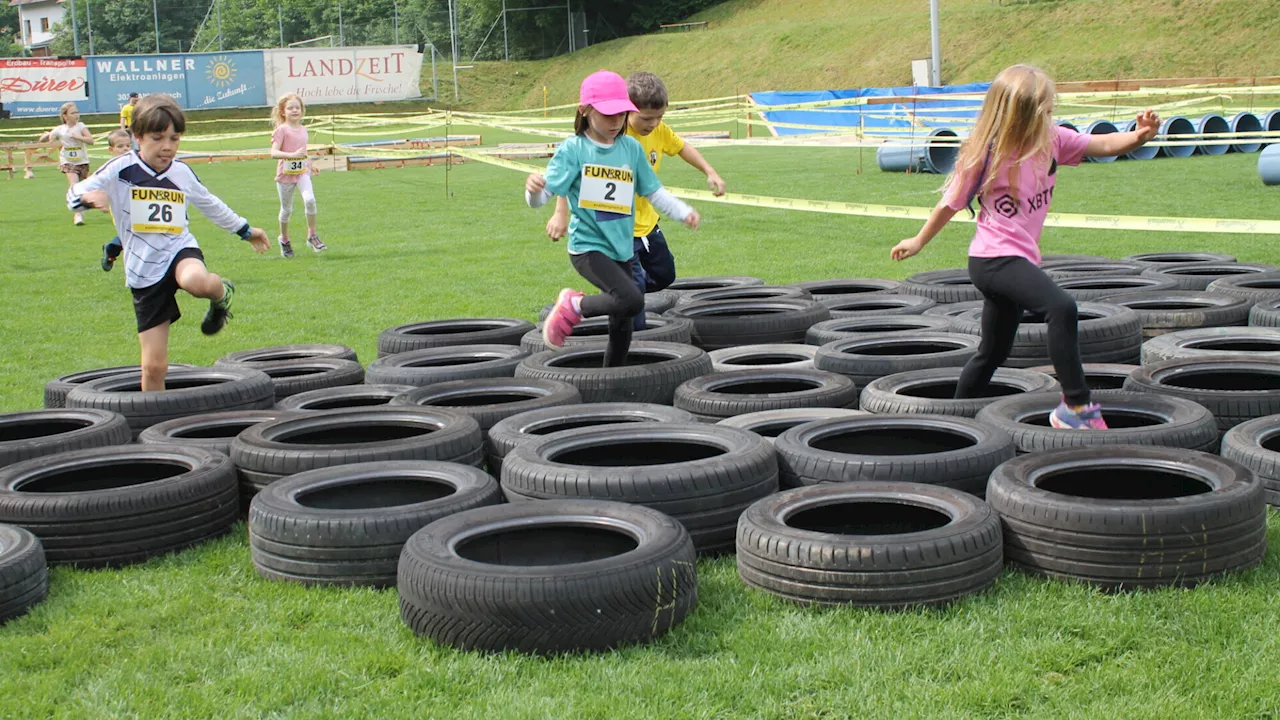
(198, 634)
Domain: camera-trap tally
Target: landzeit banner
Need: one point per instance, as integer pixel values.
(345, 75)
(39, 86)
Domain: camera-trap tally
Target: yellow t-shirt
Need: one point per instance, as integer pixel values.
(662, 141)
(126, 114)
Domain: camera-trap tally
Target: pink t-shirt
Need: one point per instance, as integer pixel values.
(1008, 227)
(290, 139)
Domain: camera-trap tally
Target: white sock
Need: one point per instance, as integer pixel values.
(576, 302)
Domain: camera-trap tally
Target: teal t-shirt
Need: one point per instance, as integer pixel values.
(606, 180)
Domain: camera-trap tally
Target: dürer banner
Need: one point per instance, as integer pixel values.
(39, 86)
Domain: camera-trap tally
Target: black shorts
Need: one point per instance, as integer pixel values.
(157, 304)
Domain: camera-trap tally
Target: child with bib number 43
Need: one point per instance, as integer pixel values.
(149, 191)
(73, 158)
(293, 169)
(1009, 164)
(601, 171)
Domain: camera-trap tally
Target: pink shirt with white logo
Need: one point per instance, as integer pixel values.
(1009, 227)
(290, 139)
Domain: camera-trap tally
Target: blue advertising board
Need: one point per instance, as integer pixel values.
(195, 80)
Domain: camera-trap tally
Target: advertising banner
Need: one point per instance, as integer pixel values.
(39, 86)
(345, 75)
(195, 80)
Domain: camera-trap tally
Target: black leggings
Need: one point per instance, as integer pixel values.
(619, 298)
(1011, 285)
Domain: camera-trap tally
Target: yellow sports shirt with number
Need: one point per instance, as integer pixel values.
(662, 141)
(126, 114)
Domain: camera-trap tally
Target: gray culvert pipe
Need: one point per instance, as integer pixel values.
(1246, 122)
(1209, 124)
(1101, 127)
(1170, 129)
(1271, 123)
(1068, 125)
(929, 157)
(1146, 152)
(1269, 165)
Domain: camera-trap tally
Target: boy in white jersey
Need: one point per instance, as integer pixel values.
(150, 191)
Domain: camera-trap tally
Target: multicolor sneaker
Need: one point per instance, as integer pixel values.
(286, 248)
(108, 261)
(219, 311)
(562, 320)
(1079, 417)
(314, 242)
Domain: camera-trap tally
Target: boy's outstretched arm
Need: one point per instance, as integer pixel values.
(691, 155)
(938, 219)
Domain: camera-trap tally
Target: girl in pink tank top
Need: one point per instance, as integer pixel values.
(293, 169)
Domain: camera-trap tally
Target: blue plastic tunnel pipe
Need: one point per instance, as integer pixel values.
(1146, 152)
(1269, 165)
(1271, 123)
(1067, 125)
(1101, 127)
(1246, 122)
(1177, 125)
(1212, 123)
(929, 157)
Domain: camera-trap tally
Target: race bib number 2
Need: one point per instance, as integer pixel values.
(295, 167)
(608, 189)
(155, 210)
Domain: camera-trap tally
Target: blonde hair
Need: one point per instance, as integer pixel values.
(1015, 125)
(118, 135)
(66, 107)
(647, 91)
(277, 112)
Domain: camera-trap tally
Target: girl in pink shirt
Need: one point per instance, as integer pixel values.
(293, 169)
(1009, 163)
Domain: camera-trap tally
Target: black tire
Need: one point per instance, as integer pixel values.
(653, 371)
(859, 306)
(1234, 388)
(932, 392)
(1163, 312)
(24, 576)
(952, 310)
(1213, 342)
(313, 440)
(1198, 276)
(1133, 419)
(442, 333)
(207, 431)
(871, 357)
(1265, 314)
(711, 282)
(702, 475)
(190, 391)
(290, 377)
(858, 326)
(595, 332)
(1101, 378)
(952, 451)
(942, 286)
(654, 302)
(286, 352)
(1086, 268)
(769, 424)
(548, 578)
(1254, 287)
(1107, 334)
(1071, 257)
(845, 287)
(509, 433)
(727, 323)
(745, 292)
(55, 391)
(420, 368)
(723, 395)
(1254, 445)
(114, 506)
(489, 400)
(1164, 259)
(1112, 286)
(35, 433)
(784, 356)
(1119, 517)
(347, 525)
(345, 397)
(882, 545)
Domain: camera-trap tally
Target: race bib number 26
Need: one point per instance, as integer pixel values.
(608, 189)
(156, 210)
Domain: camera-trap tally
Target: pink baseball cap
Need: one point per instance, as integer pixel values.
(607, 93)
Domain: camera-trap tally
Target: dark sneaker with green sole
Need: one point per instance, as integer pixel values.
(219, 311)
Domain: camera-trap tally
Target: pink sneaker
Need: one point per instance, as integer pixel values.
(562, 320)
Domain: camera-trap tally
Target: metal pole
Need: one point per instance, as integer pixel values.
(342, 40)
(75, 29)
(453, 42)
(937, 52)
(506, 44)
(280, 19)
(155, 17)
(88, 15)
(568, 9)
(395, 9)
(218, 8)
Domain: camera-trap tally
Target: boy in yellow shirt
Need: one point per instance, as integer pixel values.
(653, 266)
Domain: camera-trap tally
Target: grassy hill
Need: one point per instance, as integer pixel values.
(813, 44)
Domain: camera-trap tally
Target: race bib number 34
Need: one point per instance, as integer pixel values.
(156, 210)
(295, 167)
(608, 189)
